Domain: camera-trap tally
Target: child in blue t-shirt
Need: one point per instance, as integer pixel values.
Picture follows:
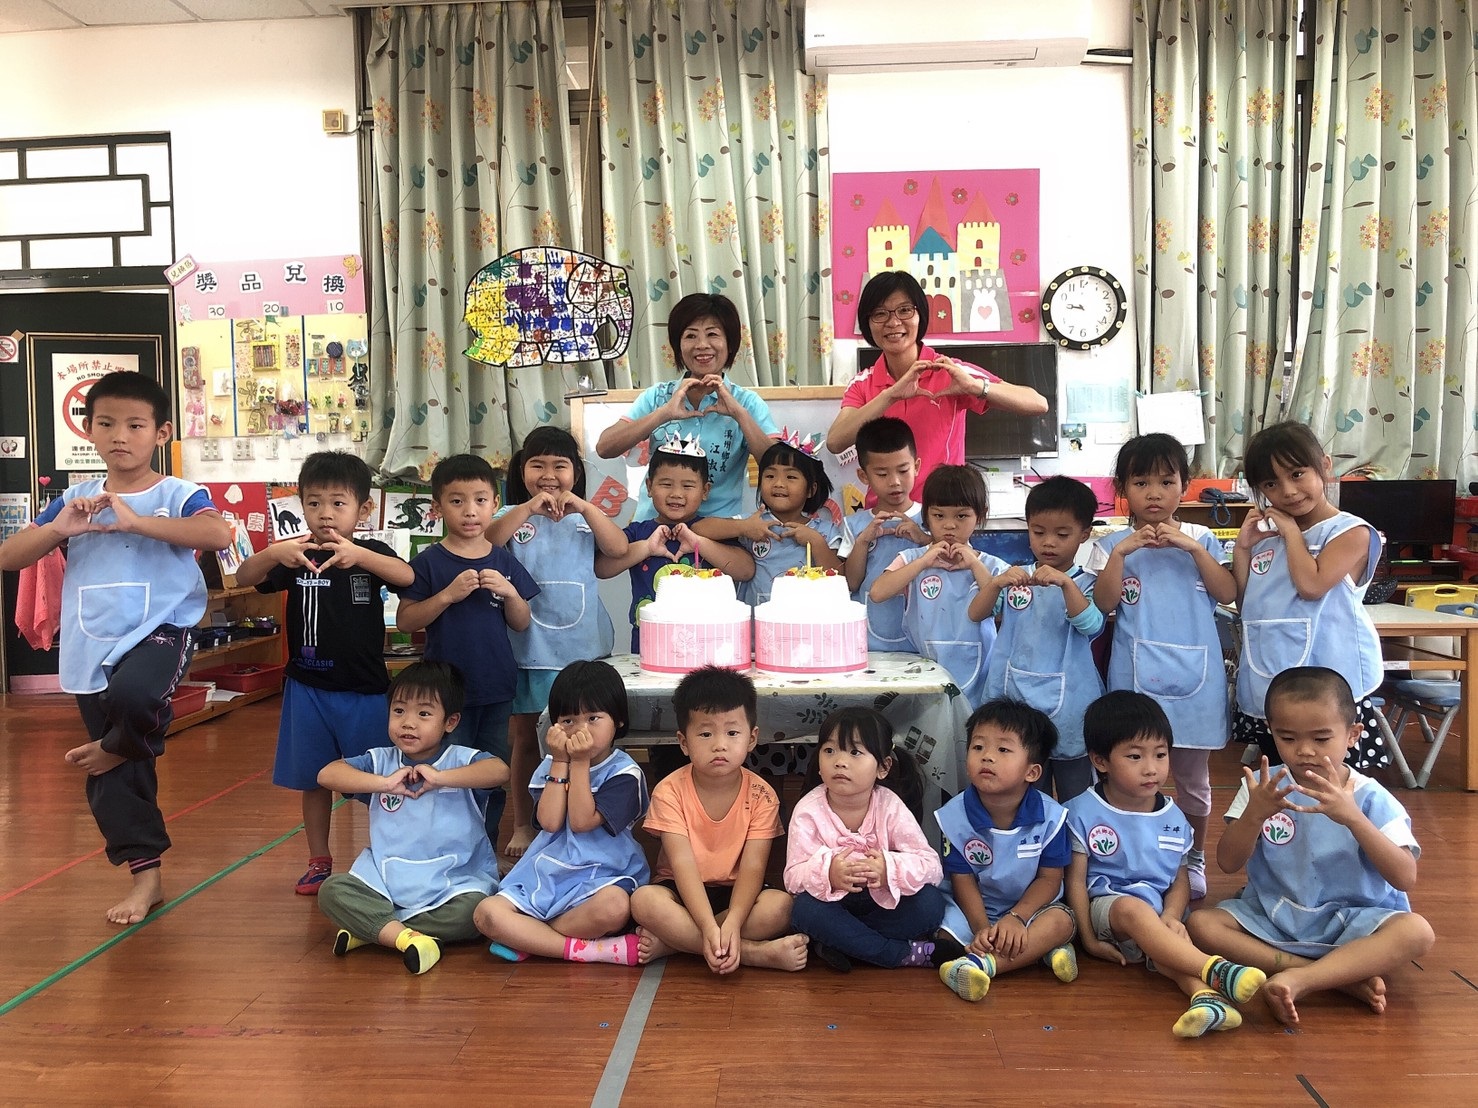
(1127, 882)
(888, 464)
(466, 595)
(1005, 849)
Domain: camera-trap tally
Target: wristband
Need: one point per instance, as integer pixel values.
(1014, 914)
(553, 780)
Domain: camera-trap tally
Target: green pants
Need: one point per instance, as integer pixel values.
(362, 912)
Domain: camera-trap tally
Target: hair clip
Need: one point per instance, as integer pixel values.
(677, 444)
(809, 445)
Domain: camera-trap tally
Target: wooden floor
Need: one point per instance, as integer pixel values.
(232, 996)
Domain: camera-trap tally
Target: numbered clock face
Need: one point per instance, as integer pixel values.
(1083, 308)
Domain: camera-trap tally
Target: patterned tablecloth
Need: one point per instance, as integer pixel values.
(917, 695)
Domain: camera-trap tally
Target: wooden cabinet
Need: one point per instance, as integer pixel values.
(237, 604)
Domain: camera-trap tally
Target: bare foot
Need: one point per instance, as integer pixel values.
(785, 953)
(94, 759)
(1280, 993)
(1371, 991)
(520, 841)
(147, 892)
(649, 948)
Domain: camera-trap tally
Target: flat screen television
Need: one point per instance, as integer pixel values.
(1408, 513)
(1003, 434)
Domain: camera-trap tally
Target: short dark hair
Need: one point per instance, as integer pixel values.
(955, 487)
(441, 681)
(714, 689)
(461, 467)
(1292, 445)
(1145, 454)
(335, 469)
(1306, 683)
(1035, 729)
(884, 285)
(1063, 494)
(126, 384)
(1122, 716)
(783, 454)
(884, 435)
(590, 686)
(859, 728)
(701, 305)
(697, 463)
(546, 441)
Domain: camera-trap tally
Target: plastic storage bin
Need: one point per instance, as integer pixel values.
(243, 676)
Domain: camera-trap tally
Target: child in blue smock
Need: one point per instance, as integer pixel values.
(429, 863)
(573, 886)
(793, 518)
(1127, 882)
(1301, 567)
(1006, 847)
(554, 532)
(1329, 854)
(131, 592)
(1163, 580)
(1044, 651)
(949, 587)
(888, 464)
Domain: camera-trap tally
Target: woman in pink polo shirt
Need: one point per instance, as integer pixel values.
(917, 384)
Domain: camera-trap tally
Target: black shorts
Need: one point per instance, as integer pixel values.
(718, 895)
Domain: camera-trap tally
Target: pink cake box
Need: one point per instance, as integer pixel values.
(800, 648)
(683, 647)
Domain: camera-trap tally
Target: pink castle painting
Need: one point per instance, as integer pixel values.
(969, 236)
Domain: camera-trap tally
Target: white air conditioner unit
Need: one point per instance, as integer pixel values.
(875, 36)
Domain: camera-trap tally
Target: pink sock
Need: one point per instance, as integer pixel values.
(619, 950)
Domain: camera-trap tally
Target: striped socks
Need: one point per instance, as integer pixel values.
(969, 977)
(1208, 1012)
(1235, 983)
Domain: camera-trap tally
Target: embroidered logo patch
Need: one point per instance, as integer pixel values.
(390, 802)
(1019, 597)
(1103, 840)
(760, 548)
(930, 586)
(977, 852)
(1262, 561)
(1131, 590)
(525, 533)
(1279, 829)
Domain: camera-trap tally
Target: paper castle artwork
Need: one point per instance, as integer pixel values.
(956, 260)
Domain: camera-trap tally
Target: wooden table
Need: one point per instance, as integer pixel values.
(1396, 621)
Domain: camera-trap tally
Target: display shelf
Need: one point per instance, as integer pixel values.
(237, 603)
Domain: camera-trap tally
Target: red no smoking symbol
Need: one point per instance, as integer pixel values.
(9, 349)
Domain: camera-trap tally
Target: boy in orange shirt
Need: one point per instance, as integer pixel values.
(716, 821)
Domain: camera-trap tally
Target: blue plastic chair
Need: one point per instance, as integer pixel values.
(1430, 703)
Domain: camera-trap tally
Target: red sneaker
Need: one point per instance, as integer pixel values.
(318, 870)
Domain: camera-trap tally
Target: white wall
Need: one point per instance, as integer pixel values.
(254, 174)
(1070, 123)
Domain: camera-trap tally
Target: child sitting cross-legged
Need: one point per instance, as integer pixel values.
(717, 821)
(1127, 882)
(1006, 847)
(1329, 856)
(429, 863)
(573, 886)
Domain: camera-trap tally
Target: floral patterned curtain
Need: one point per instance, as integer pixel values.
(471, 156)
(715, 179)
(1385, 369)
(1213, 171)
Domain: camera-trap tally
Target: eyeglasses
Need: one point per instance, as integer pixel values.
(903, 314)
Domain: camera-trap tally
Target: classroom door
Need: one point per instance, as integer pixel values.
(63, 336)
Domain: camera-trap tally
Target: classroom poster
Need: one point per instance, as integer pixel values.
(72, 378)
(970, 237)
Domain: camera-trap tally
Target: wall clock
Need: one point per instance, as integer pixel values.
(1084, 307)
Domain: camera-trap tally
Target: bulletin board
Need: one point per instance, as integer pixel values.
(273, 347)
(611, 484)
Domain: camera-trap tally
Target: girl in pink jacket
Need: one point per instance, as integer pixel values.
(864, 878)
